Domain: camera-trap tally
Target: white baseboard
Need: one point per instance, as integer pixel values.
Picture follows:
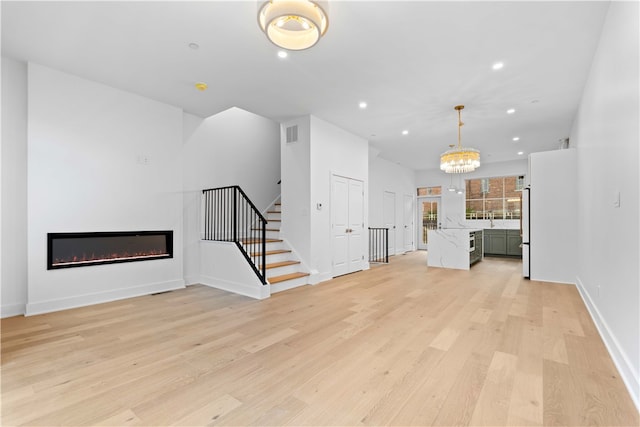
(317, 277)
(618, 355)
(101, 297)
(191, 280)
(11, 310)
(257, 292)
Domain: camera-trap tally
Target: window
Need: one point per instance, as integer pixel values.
(429, 191)
(494, 198)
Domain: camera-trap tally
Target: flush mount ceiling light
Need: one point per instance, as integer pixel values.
(293, 24)
(460, 159)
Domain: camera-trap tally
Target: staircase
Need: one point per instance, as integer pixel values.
(283, 270)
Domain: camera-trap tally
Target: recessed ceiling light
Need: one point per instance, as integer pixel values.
(201, 86)
(282, 54)
(520, 153)
(194, 46)
(511, 110)
(405, 132)
(497, 65)
(362, 105)
(516, 138)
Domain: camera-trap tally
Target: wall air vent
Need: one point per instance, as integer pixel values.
(292, 134)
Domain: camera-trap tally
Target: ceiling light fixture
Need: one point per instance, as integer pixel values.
(282, 54)
(460, 159)
(516, 138)
(511, 110)
(498, 65)
(405, 132)
(362, 105)
(293, 24)
(520, 153)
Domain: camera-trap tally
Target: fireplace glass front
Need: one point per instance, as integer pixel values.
(65, 250)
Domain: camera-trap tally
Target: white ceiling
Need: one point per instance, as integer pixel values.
(412, 62)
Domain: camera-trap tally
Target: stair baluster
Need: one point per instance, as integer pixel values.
(230, 216)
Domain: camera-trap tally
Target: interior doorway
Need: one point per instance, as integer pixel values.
(389, 219)
(347, 225)
(408, 217)
(430, 218)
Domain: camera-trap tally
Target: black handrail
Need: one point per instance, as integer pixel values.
(378, 244)
(230, 216)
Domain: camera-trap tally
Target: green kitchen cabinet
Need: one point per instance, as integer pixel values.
(499, 242)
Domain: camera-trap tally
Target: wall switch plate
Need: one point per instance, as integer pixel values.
(143, 159)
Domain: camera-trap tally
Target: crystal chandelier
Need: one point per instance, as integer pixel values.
(460, 159)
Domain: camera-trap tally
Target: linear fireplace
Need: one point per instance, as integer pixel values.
(65, 250)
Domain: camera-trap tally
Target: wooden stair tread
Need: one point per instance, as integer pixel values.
(252, 241)
(281, 264)
(276, 252)
(266, 229)
(274, 211)
(274, 220)
(284, 277)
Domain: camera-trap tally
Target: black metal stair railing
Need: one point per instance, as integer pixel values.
(230, 216)
(378, 244)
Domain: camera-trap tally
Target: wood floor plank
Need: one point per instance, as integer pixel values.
(493, 403)
(399, 344)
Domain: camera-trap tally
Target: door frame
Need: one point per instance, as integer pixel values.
(363, 234)
(392, 231)
(411, 246)
(419, 213)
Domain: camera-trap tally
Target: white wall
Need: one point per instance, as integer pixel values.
(237, 275)
(453, 204)
(307, 168)
(605, 133)
(296, 188)
(234, 147)
(86, 145)
(334, 151)
(388, 176)
(13, 292)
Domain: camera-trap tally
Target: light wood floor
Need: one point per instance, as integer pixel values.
(399, 344)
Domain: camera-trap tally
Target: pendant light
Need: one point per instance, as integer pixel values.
(460, 159)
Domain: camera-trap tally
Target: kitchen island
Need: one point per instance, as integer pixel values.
(457, 248)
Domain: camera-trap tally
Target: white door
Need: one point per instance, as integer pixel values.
(356, 224)
(347, 217)
(408, 223)
(389, 218)
(429, 218)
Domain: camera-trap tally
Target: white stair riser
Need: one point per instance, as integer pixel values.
(270, 247)
(289, 284)
(280, 271)
(287, 256)
(273, 234)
